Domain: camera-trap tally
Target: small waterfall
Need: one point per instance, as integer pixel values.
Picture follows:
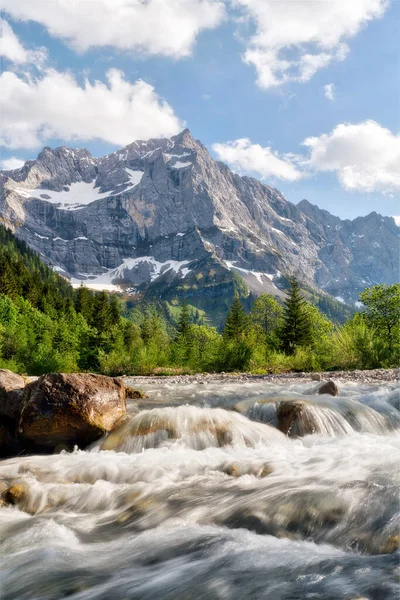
(195, 427)
(302, 415)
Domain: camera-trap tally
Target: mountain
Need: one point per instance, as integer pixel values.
(163, 218)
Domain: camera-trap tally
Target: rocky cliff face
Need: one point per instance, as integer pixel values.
(163, 213)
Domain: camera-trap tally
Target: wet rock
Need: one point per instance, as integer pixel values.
(248, 519)
(390, 545)
(16, 494)
(9, 443)
(370, 542)
(133, 394)
(70, 409)
(328, 387)
(238, 470)
(294, 419)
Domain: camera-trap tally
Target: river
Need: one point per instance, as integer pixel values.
(191, 500)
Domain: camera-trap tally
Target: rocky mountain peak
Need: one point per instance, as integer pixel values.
(163, 215)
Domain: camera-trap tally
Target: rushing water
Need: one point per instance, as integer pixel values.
(190, 499)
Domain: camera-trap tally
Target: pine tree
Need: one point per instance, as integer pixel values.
(145, 327)
(115, 317)
(83, 304)
(296, 328)
(101, 315)
(183, 340)
(184, 322)
(236, 322)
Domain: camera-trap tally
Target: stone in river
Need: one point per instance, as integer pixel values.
(328, 387)
(70, 409)
(11, 393)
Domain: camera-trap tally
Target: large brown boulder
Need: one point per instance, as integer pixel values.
(62, 410)
(11, 386)
(11, 392)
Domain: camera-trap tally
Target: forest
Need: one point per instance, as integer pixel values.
(47, 326)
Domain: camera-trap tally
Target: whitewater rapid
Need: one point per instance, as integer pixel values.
(198, 495)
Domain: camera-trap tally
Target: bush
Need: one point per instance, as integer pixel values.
(234, 356)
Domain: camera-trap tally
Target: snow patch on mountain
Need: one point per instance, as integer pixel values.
(110, 280)
(257, 274)
(78, 195)
(135, 177)
(181, 165)
(178, 155)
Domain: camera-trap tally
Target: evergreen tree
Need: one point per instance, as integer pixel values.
(184, 322)
(296, 326)
(183, 339)
(101, 314)
(83, 302)
(236, 322)
(115, 317)
(146, 329)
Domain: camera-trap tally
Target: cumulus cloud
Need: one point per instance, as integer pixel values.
(329, 91)
(12, 49)
(167, 27)
(56, 106)
(293, 40)
(10, 46)
(245, 157)
(8, 164)
(365, 157)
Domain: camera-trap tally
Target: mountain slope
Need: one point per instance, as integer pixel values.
(162, 217)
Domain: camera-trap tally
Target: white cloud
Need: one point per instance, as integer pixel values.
(294, 39)
(245, 157)
(167, 27)
(56, 106)
(10, 47)
(8, 164)
(365, 157)
(329, 91)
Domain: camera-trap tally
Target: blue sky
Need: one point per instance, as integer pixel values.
(302, 94)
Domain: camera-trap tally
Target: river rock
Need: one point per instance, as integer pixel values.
(294, 419)
(16, 494)
(70, 409)
(316, 377)
(10, 381)
(328, 387)
(11, 386)
(11, 394)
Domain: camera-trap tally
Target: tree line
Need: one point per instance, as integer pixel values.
(47, 326)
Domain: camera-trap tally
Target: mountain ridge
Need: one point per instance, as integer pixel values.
(163, 211)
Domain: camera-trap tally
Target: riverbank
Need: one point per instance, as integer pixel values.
(371, 376)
